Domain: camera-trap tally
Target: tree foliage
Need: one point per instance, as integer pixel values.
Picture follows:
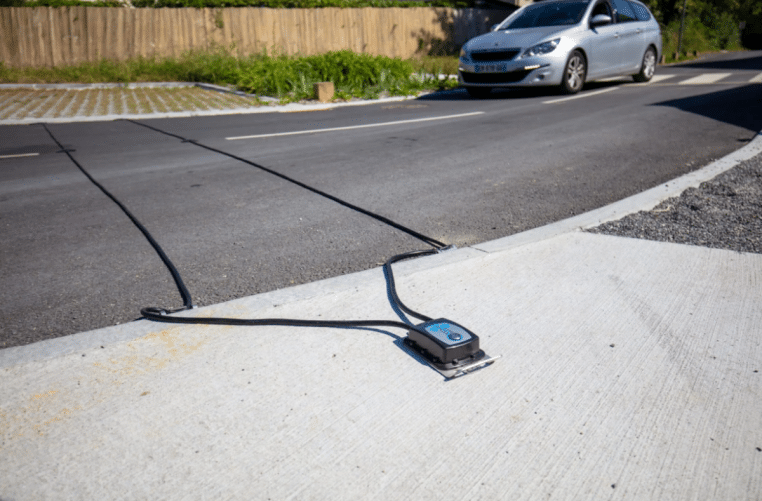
(709, 24)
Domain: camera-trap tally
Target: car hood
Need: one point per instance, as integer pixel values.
(524, 38)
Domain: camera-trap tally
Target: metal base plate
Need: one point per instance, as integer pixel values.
(480, 361)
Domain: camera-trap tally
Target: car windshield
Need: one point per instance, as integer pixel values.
(549, 14)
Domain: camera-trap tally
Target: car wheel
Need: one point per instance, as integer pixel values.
(575, 72)
(648, 67)
(479, 92)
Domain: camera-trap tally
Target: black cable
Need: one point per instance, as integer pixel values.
(186, 296)
(163, 315)
(391, 288)
(378, 217)
(160, 315)
(155, 314)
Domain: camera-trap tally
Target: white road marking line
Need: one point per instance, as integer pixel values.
(19, 155)
(654, 79)
(579, 96)
(757, 79)
(706, 78)
(351, 127)
(658, 78)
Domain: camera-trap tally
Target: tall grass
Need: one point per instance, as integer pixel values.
(289, 78)
(437, 65)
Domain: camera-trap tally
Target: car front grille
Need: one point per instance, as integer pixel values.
(495, 78)
(498, 55)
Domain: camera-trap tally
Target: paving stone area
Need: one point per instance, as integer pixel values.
(55, 103)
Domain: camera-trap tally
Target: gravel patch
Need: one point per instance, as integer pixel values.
(723, 213)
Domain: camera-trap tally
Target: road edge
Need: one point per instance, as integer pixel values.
(643, 201)
(66, 345)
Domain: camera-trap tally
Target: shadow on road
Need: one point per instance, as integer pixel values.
(461, 94)
(743, 61)
(740, 106)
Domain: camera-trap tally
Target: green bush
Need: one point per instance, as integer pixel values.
(292, 78)
(287, 77)
(724, 33)
(717, 32)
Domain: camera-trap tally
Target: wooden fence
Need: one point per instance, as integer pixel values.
(44, 36)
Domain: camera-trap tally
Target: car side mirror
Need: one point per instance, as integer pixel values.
(600, 20)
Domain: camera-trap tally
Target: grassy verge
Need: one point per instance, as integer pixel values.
(288, 78)
(218, 4)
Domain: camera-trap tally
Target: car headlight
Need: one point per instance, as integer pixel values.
(463, 54)
(542, 48)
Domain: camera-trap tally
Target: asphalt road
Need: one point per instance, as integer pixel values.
(72, 261)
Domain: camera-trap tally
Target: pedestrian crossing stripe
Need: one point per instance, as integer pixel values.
(659, 78)
(706, 78)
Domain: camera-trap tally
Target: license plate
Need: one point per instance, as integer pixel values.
(490, 68)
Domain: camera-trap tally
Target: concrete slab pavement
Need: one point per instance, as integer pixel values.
(630, 369)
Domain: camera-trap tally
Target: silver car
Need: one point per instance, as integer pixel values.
(563, 43)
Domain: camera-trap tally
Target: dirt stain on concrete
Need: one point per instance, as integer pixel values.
(80, 391)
